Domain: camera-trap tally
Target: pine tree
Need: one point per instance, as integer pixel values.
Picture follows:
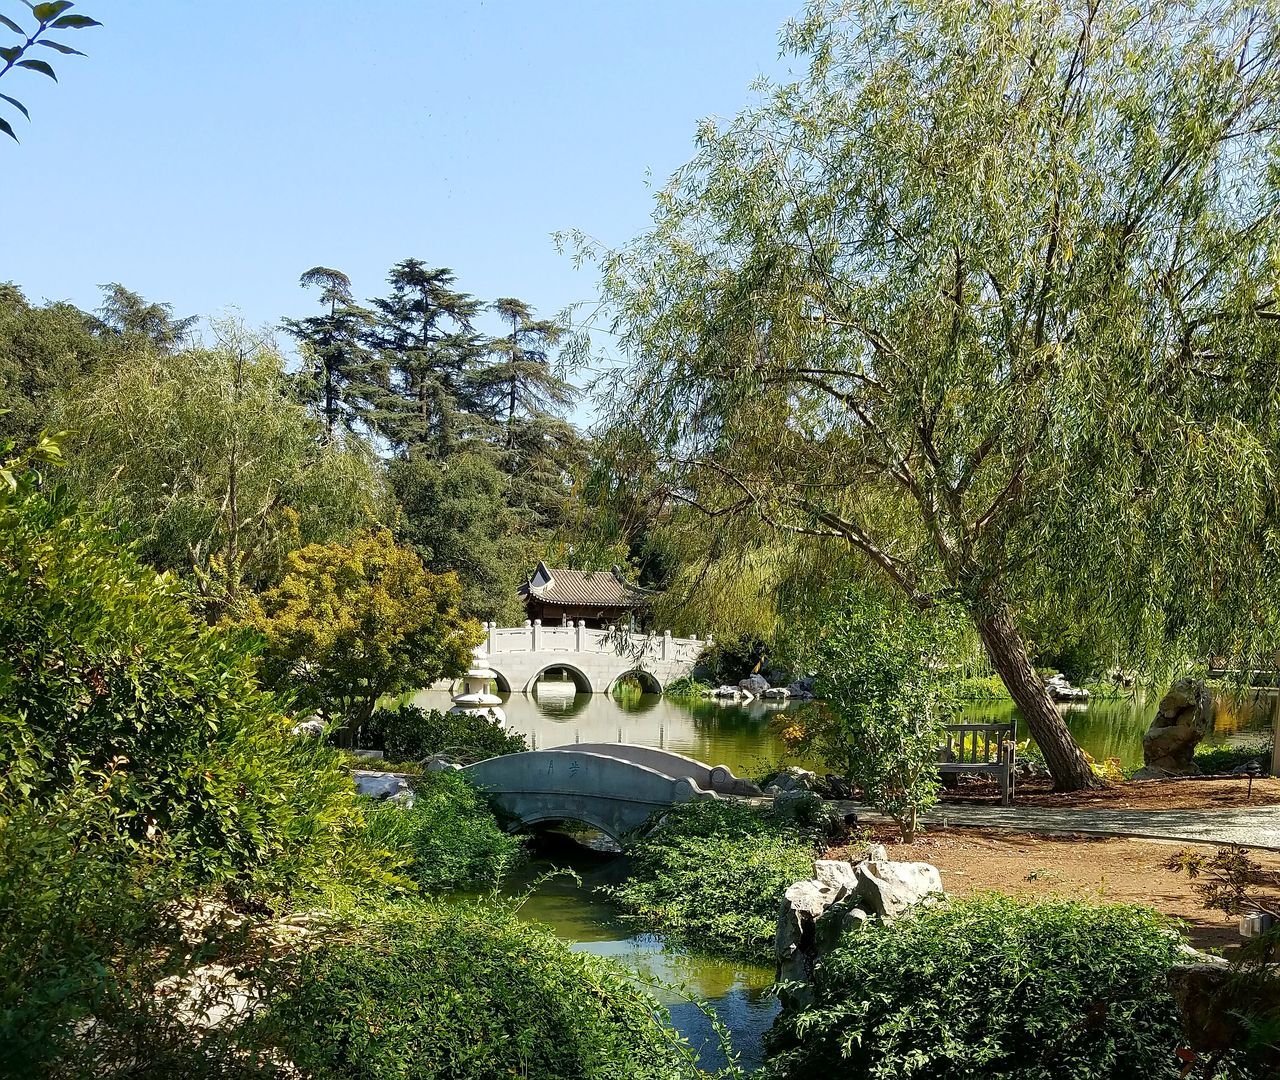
(427, 347)
(333, 382)
(525, 400)
(126, 315)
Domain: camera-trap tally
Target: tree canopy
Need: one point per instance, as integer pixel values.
(989, 296)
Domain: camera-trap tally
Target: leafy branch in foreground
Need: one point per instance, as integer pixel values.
(48, 17)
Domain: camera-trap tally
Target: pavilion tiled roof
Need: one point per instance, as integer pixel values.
(591, 588)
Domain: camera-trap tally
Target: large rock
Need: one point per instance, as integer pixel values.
(890, 889)
(1218, 1001)
(312, 726)
(801, 689)
(754, 684)
(793, 778)
(1183, 718)
(378, 785)
(840, 898)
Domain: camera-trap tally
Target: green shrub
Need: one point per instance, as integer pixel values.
(408, 733)
(992, 986)
(887, 703)
(467, 992)
(1222, 759)
(106, 669)
(686, 687)
(713, 874)
(449, 832)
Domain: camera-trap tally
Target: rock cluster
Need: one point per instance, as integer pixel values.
(758, 686)
(793, 779)
(1184, 717)
(816, 914)
(1060, 689)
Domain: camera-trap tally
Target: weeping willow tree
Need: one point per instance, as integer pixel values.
(989, 296)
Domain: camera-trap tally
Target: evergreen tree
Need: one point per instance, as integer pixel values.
(525, 400)
(44, 351)
(128, 316)
(332, 382)
(426, 347)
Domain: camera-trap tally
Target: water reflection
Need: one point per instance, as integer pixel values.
(733, 734)
(743, 737)
(737, 993)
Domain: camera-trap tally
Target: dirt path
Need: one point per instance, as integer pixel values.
(1108, 869)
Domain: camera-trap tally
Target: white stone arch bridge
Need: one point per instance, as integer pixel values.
(594, 660)
(613, 787)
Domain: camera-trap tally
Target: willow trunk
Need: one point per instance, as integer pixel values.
(1009, 657)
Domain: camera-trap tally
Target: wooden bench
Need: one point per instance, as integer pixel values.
(981, 750)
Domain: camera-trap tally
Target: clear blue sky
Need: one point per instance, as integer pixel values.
(206, 153)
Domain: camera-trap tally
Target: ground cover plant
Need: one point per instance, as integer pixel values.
(466, 991)
(712, 875)
(992, 986)
(449, 833)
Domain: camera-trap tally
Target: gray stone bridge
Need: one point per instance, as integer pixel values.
(594, 660)
(613, 787)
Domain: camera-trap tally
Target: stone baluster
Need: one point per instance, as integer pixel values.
(666, 645)
(580, 634)
(537, 633)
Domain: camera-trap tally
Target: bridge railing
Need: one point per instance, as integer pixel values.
(535, 637)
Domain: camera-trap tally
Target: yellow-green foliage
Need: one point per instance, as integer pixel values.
(353, 622)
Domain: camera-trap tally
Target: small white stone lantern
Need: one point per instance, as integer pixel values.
(475, 697)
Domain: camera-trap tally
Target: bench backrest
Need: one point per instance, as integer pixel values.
(979, 744)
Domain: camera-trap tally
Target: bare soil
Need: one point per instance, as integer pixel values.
(1190, 793)
(1105, 869)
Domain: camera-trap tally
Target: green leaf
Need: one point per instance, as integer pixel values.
(7, 128)
(10, 54)
(65, 49)
(48, 12)
(12, 25)
(17, 105)
(75, 22)
(40, 66)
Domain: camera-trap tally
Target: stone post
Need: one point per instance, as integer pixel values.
(579, 635)
(666, 644)
(491, 627)
(537, 633)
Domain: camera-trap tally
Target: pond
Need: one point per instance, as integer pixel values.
(745, 738)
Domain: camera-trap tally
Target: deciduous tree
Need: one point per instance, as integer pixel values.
(988, 295)
(351, 623)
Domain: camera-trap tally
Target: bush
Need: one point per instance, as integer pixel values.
(1222, 759)
(992, 986)
(686, 687)
(713, 874)
(886, 706)
(450, 833)
(409, 733)
(467, 992)
(107, 671)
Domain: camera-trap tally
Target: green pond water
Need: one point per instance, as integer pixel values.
(745, 738)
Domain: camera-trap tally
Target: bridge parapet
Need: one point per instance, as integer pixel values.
(596, 658)
(717, 778)
(609, 793)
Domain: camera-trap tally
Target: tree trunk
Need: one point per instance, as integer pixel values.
(1009, 657)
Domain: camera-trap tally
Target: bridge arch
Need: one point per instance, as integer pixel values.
(580, 680)
(579, 817)
(648, 681)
